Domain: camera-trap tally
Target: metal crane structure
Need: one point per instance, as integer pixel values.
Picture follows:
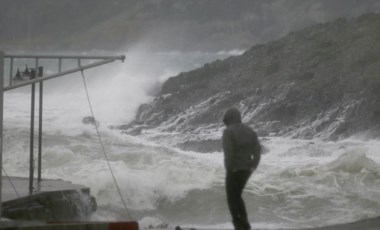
(33, 76)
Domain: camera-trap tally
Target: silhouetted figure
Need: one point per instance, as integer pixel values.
(18, 75)
(26, 72)
(242, 151)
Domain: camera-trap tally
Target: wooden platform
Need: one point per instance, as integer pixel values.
(51, 200)
(22, 187)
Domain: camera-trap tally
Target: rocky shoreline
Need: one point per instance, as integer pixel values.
(319, 82)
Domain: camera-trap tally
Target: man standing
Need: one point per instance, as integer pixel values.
(241, 157)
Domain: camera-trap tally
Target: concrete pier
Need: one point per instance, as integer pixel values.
(51, 200)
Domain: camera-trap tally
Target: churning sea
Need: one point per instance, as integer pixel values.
(299, 183)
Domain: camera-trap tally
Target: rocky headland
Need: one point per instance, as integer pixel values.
(319, 82)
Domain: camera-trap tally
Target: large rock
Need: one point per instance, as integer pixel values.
(322, 81)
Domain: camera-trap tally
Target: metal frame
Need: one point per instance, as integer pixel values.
(106, 59)
(101, 60)
(1, 125)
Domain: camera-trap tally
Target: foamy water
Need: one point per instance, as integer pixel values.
(299, 183)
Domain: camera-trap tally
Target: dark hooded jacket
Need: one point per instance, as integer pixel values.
(241, 145)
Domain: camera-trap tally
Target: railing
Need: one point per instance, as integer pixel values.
(104, 60)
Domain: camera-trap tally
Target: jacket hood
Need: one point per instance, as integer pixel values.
(231, 116)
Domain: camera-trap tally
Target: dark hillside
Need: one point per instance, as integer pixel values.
(320, 82)
(211, 25)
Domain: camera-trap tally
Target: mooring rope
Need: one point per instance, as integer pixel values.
(103, 148)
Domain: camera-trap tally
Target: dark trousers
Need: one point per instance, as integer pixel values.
(235, 183)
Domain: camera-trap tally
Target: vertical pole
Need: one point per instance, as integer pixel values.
(59, 65)
(40, 74)
(31, 160)
(11, 73)
(1, 125)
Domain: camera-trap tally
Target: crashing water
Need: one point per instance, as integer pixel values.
(299, 183)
